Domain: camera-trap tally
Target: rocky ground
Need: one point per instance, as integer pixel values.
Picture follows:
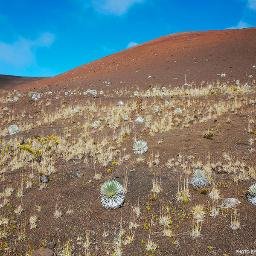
(182, 149)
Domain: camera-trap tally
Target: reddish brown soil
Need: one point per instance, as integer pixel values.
(7, 81)
(82, 194)
(201, 56)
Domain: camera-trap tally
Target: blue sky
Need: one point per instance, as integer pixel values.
(49, 37)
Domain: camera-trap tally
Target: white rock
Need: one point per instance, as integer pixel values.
(139, 120)
(92, 92)
(178, 111)
(96, 124)
(120, 103)
(230, 202)
(35, 96)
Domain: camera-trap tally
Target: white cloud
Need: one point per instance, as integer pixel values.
(115, 7)
(45, 40)
(252, 4)
(21, 53)
(241, 24)
(17, 54)
(132, 44)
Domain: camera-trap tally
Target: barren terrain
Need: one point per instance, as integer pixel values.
(190, 97)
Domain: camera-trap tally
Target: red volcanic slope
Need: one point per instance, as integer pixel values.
(7, 81)
(201, 56)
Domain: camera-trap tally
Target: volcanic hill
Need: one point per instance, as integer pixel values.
(170, 125)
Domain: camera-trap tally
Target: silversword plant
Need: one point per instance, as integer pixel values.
(252, 194)
(199, 179)
(140, 147)
(112, 194)
(13, 129)
(252, 190)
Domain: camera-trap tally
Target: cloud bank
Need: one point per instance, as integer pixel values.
(252, 4)
(114, 7)
(132, 44)
(241, 24)
(21, 53)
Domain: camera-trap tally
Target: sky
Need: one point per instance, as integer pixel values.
(49, 37)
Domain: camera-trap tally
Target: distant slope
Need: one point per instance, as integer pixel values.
(201, 56)
(7, 81)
